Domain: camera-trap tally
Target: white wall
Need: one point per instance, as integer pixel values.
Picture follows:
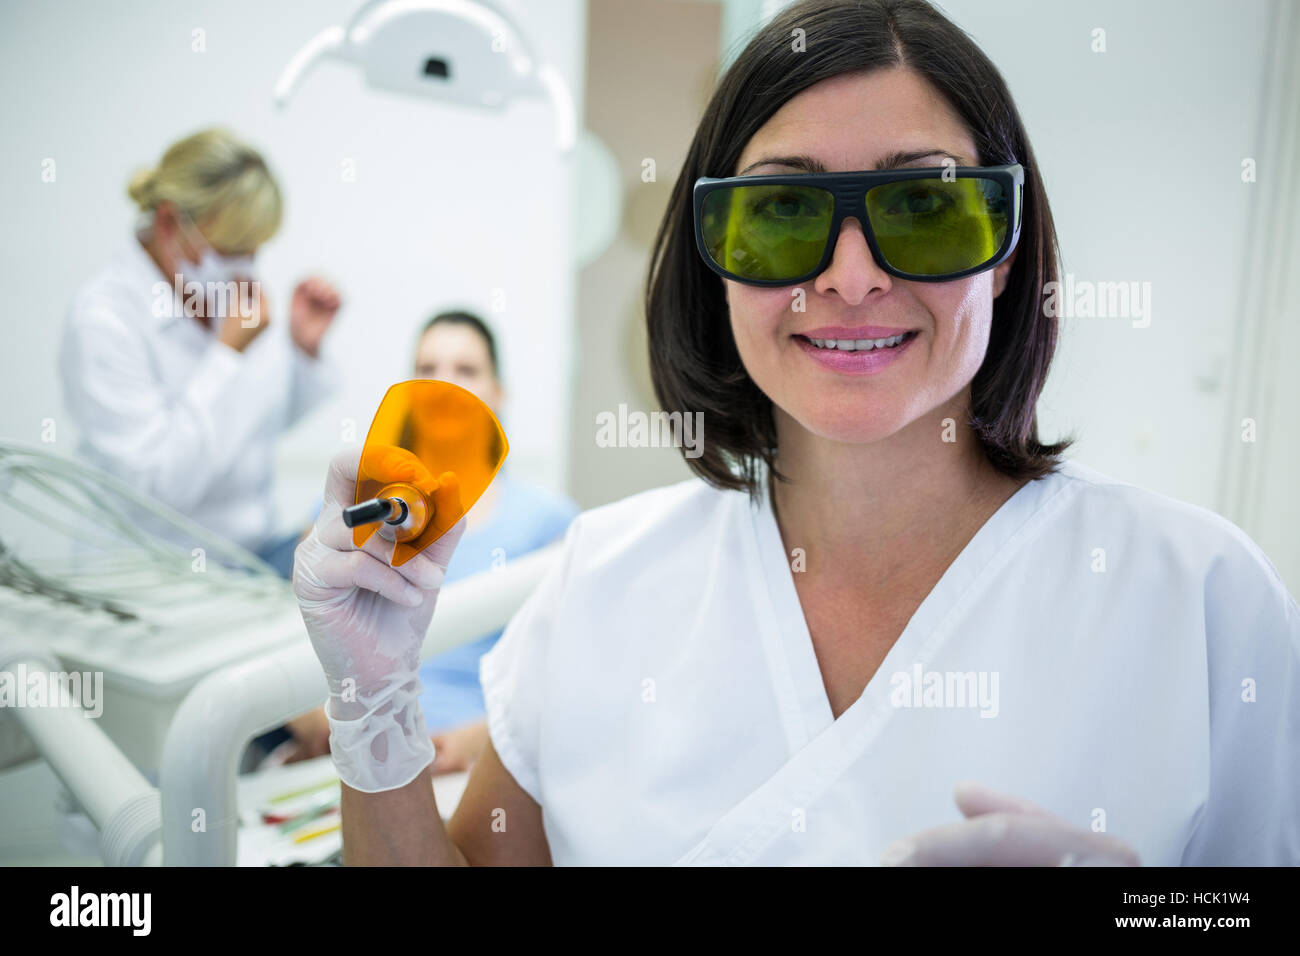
(1140, 148)
(102, 88)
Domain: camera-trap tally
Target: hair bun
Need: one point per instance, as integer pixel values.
(141, 186)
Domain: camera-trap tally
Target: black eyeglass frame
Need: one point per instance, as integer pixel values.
(849, 191)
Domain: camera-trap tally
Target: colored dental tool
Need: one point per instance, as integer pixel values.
(432, 450)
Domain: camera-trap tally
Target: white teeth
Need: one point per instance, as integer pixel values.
(858, 345)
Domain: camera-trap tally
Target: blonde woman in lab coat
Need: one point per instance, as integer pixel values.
(886, 623)
(175, 384)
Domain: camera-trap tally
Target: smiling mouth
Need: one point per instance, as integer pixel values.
(860, 345)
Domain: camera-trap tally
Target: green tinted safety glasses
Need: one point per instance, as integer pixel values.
(929, 225)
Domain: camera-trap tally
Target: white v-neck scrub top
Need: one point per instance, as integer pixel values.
(1129, 662)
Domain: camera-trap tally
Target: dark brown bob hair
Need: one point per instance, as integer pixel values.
(694, 362)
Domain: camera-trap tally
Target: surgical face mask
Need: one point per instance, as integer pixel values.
(214, 273)
(212, 266)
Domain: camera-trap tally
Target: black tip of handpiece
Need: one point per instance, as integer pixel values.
(367, 512)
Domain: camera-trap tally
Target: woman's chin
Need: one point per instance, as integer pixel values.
(853, 429)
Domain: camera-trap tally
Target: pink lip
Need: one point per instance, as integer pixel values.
(846, 332)
(855, 363)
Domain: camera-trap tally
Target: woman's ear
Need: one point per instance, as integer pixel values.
(1003, 272)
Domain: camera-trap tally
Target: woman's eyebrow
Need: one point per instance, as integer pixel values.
(891, 161)
(903, 158)
(806, 163)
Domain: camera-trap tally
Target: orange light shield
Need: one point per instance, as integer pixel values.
(423, 430)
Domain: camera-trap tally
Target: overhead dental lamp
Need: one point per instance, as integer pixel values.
(456, 51)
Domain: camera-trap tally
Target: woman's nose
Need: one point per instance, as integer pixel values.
(853, 271)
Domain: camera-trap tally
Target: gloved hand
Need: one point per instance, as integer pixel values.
(367, 621)
(1001, 830)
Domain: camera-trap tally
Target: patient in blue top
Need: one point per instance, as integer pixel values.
(509, 520)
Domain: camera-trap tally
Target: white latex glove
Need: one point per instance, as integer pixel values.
(1002, 830)
(367, 621)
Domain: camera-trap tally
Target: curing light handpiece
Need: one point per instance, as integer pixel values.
(387, 510)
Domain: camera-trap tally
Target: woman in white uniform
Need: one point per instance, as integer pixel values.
(167, 366)
(886, 623)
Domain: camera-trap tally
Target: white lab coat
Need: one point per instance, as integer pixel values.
(163, 405)
(659, 697)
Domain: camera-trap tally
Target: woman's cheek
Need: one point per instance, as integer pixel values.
(757, 316)
(961, 328)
